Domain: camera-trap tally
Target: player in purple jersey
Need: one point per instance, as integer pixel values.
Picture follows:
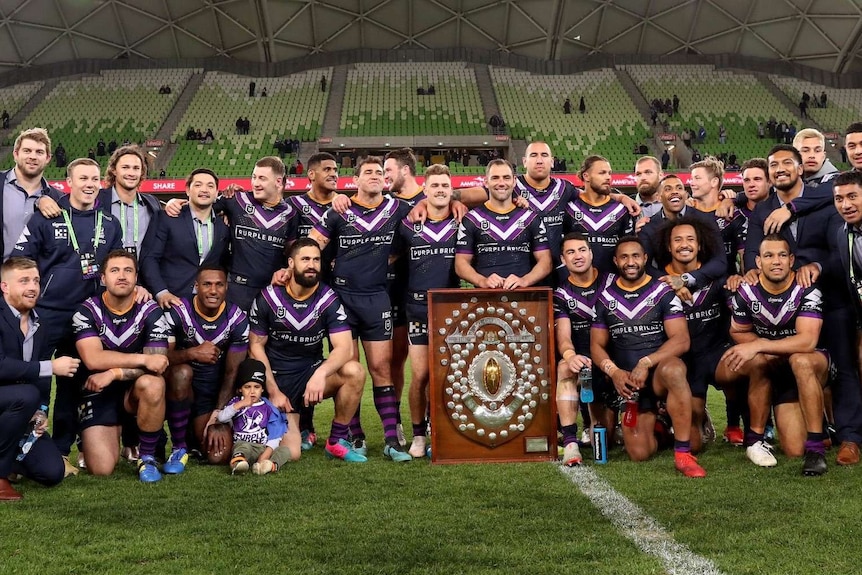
(429, 250)
(596, 215)
(640, 320)
(123, 345)
(776, 325)
(705, 183)
(495, 240)
(364, 236)
(288, 326)
(574, 312)
(208, 340)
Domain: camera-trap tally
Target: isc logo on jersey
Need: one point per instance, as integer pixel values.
(341, 314)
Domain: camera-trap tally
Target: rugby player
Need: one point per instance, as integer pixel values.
(706, 179)
(123, 346)
(288, 326)
(208, 339)
(640, 321)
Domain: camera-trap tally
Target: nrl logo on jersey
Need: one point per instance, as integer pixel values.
(486, 225)
(249, 209)
(578, 215)
(755, 306)
(650, 302)
(351, 217)
(417, 227)
(190, 333)
(612, 305)
(306, 209)
(281, 313)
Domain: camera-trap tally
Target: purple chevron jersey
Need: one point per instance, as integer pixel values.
(363, 239)
(603, 226)
(708, 317)
(429, 250)
(550, 203)
(578, 304)
(143, 325)
(296, 328)
(399, 270)
(635, 318)
(774, 315)
(249, 423)
(310, 213)
(502, 244)
(733, 234)
(259, 237)
(228, 331)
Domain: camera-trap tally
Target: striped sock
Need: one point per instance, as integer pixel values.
(178, 421)
(570, 433)
(387, 408)
(682, 446)
(420, 428)
(355, 425)
(149, 439)
(338, 431)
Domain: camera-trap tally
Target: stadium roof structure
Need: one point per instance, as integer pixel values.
(823, 34)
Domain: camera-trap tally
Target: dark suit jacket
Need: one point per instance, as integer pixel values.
(169, 254)
(840, 246)
(103, 202)
(46, 190)
(13, 369)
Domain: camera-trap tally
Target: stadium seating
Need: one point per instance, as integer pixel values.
(294, 108)
(710, 97)
(381, 100)
(843, 107)
(532, 107)
(13, 98)
(113, 105)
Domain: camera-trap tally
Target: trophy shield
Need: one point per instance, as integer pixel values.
(492, 375)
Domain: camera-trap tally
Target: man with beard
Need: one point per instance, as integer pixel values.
(648, 174)
(496, 240)
(207, 342)
(24, 189)
(596, 215)
(776, 325)
(706, 179)
(640, 321)
(288, 326)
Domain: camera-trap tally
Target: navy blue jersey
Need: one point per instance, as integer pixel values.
(550, 203)
(363, 239)
(310, 213)
(502, 244)
(259, 236)
(296, 328)
(396, 279)
(733, 234)
(142, 325)
(578, 304)
(635, 318)
(708, 317)
(429, 252)
(64, 283)
(603, 226)
(227, 330)
(773, 316)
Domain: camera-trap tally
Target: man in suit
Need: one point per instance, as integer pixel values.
(175, 248)
(25, 379)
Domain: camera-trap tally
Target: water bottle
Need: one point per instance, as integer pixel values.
(585, 377)
(39, 418)
(600, 444)
(630, 417)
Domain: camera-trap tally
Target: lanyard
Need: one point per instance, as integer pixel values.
(73, 236)
(850, 244)
(200, 225)
(123, 220)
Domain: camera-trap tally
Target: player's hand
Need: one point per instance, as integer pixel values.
(458, 210)
(774, 221)
(513, 282)
(99, 381)
(142, 295)
(578, 362)
(65, 366)
(281, 277)
(639, 374)
(419, 213)
(630, 204)
(751, 277)
(622, 383)
(155, 363)
(167, 299)
(174, 207)
(280, 401)
(733, 282)
(314, 388)
(341, 203)
(48, 207)
(673, 281)
(684, 294)
(216, 436)
(640, 224)
(726, 209)
(807, 275)
(207, 352)
(520, 201)
(494, 281)
(739, 355)
(727, 194)
(231, 191)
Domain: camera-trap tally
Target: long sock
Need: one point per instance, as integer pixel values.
(355, 425)
(570, 433)
(752, 437)
(149, 439)
(585, 415)
(178, 421)
(682, 446)
(337, 431)
(387, 409)
(306, 419)
(814, 442)
(129, 429)
(398, 412)
(734, 414)
(420, 428)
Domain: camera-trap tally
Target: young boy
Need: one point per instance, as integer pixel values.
(258, 426)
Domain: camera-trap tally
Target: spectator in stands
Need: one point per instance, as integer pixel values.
(494, 121)
(246, 125)
(582, 106)
(803, 109)
(823, 99)
(665, 159)
(563, 167)
(843, 152)
(686, 138)
(653, 115)
(299, 167)
(731, 159)
(162, 89)
(701, 134)
(91, 153)
(101, 148)
(208, 138)
(60, 155)
(420, 91)
(263, 93)
(695, 156)
(238, 125)
(162, 174)
(431, 90)
(5, 118)
(789, 134)
(668, 107)
(198, 136)
(760, 132)
(780, 128)
(722, 134)
(190, 133)
(643, 149)
(112, 145)
(567, 106)
(806, 97)
(675, 104)
(251, 89)
(323, 83)
(126, 141)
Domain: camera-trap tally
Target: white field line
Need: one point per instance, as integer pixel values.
(640, 528)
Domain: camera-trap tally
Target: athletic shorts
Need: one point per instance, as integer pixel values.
(701, 369)
(399, 313)
(369, 315)
(205, 396)
(105, 407)
(783, 382)
(292, 383)
(417, 324)
(242, 295)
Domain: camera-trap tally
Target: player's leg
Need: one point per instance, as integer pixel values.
(400, 352)
(419, 399)
(810, 371)
(101, 448)
(345, 386)
(178, 407)
(146, 398)
(567, 411)
(100, 417)
(639, 440)
(292, 440)
(791, 428)
(669, 381)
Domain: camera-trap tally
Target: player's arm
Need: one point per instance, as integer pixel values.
(540, 270)
(599, 342)
(575, 359)
(678, 342)
(257, 350)
(465, 270)
(742, 332)
(629, 202)
(97, 358)
(752, 242)
(470, 197)
(714, 268)
(321, 240)
(804, 341)
(231, 365)
(339, 354)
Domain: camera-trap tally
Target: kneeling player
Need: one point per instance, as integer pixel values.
(288, 326)
(208, 340)
(641, 321)
(776, 324)
(123, 344)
